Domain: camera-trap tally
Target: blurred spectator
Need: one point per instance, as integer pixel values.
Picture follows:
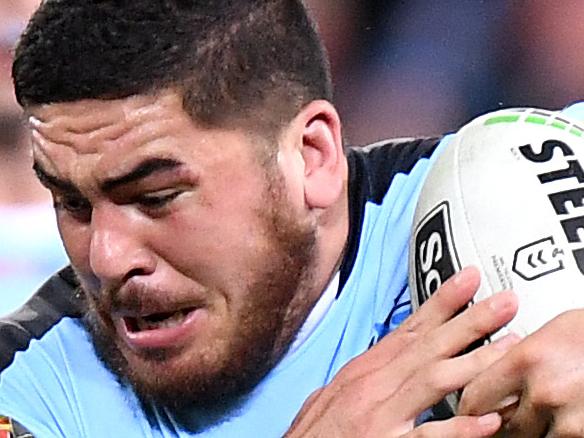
(544, 41)
(30, 248)
(419, 67)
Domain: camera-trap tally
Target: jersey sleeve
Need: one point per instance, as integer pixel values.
(575, 111)
(36, 394)
(385, 180)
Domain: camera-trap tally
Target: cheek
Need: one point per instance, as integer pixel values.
(215, 248)
(76, 240)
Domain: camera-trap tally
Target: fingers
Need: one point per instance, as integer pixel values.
(497, 389)
(386, 388)
(537, 386)
(528, 421)
(439, 378)
(480, 320)
(466, 367)
(491, 391)
(456, 427)
(446, 302)
(452, 337)
(453, 295)
(423, 373)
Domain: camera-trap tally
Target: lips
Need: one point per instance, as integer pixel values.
(156, 321)
(164, 330)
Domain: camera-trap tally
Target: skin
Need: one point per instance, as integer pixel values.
(539, 383)
(412, 369)
(150, 241)
(154, 244)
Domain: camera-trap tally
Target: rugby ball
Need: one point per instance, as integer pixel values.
(506, 194)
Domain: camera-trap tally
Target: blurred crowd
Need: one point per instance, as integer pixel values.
(30, 248)
(419, 67)
(400, 68)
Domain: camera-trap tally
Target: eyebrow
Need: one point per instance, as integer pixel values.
(142, 170)
(49, 180)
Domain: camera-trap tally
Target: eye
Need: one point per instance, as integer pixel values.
(77, 207)
(158, 199)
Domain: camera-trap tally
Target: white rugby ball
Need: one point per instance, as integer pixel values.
(506, 195)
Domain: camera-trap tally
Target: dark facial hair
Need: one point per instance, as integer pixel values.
(277, 304)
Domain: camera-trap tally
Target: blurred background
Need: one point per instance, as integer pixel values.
(421, 67)
(400, 68)
(30, 248)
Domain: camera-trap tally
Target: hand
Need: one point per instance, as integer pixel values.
(381, 392)
(539, 384)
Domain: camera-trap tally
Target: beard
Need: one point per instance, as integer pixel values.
(216, 379)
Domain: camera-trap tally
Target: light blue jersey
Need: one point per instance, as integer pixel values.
(53, 385)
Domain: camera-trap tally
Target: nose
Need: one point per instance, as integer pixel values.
(117, 249)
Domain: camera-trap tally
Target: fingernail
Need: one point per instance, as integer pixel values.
(490, 420)
(462, 276)
(34, 121)
(502, 300)
(507, 401)
(507, 341)
(36, 135)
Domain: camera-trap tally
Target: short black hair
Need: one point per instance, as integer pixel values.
(256, 62)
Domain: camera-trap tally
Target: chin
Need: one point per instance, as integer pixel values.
(204, 375)
(221, 361)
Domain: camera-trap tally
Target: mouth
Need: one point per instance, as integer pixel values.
(164, 330)
(156, 321)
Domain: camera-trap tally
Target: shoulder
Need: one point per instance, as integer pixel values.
(398, 152)
(374, 167)
(385, 179)
(58, 298)
(52, 381)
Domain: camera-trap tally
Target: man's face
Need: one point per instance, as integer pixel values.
(194, 262)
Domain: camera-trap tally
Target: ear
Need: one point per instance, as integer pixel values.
(322, 152)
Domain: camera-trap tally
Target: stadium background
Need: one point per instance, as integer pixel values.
(400, 68)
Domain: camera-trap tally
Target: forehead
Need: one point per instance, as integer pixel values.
(92, 140)
(91, 125)
(107, 134)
